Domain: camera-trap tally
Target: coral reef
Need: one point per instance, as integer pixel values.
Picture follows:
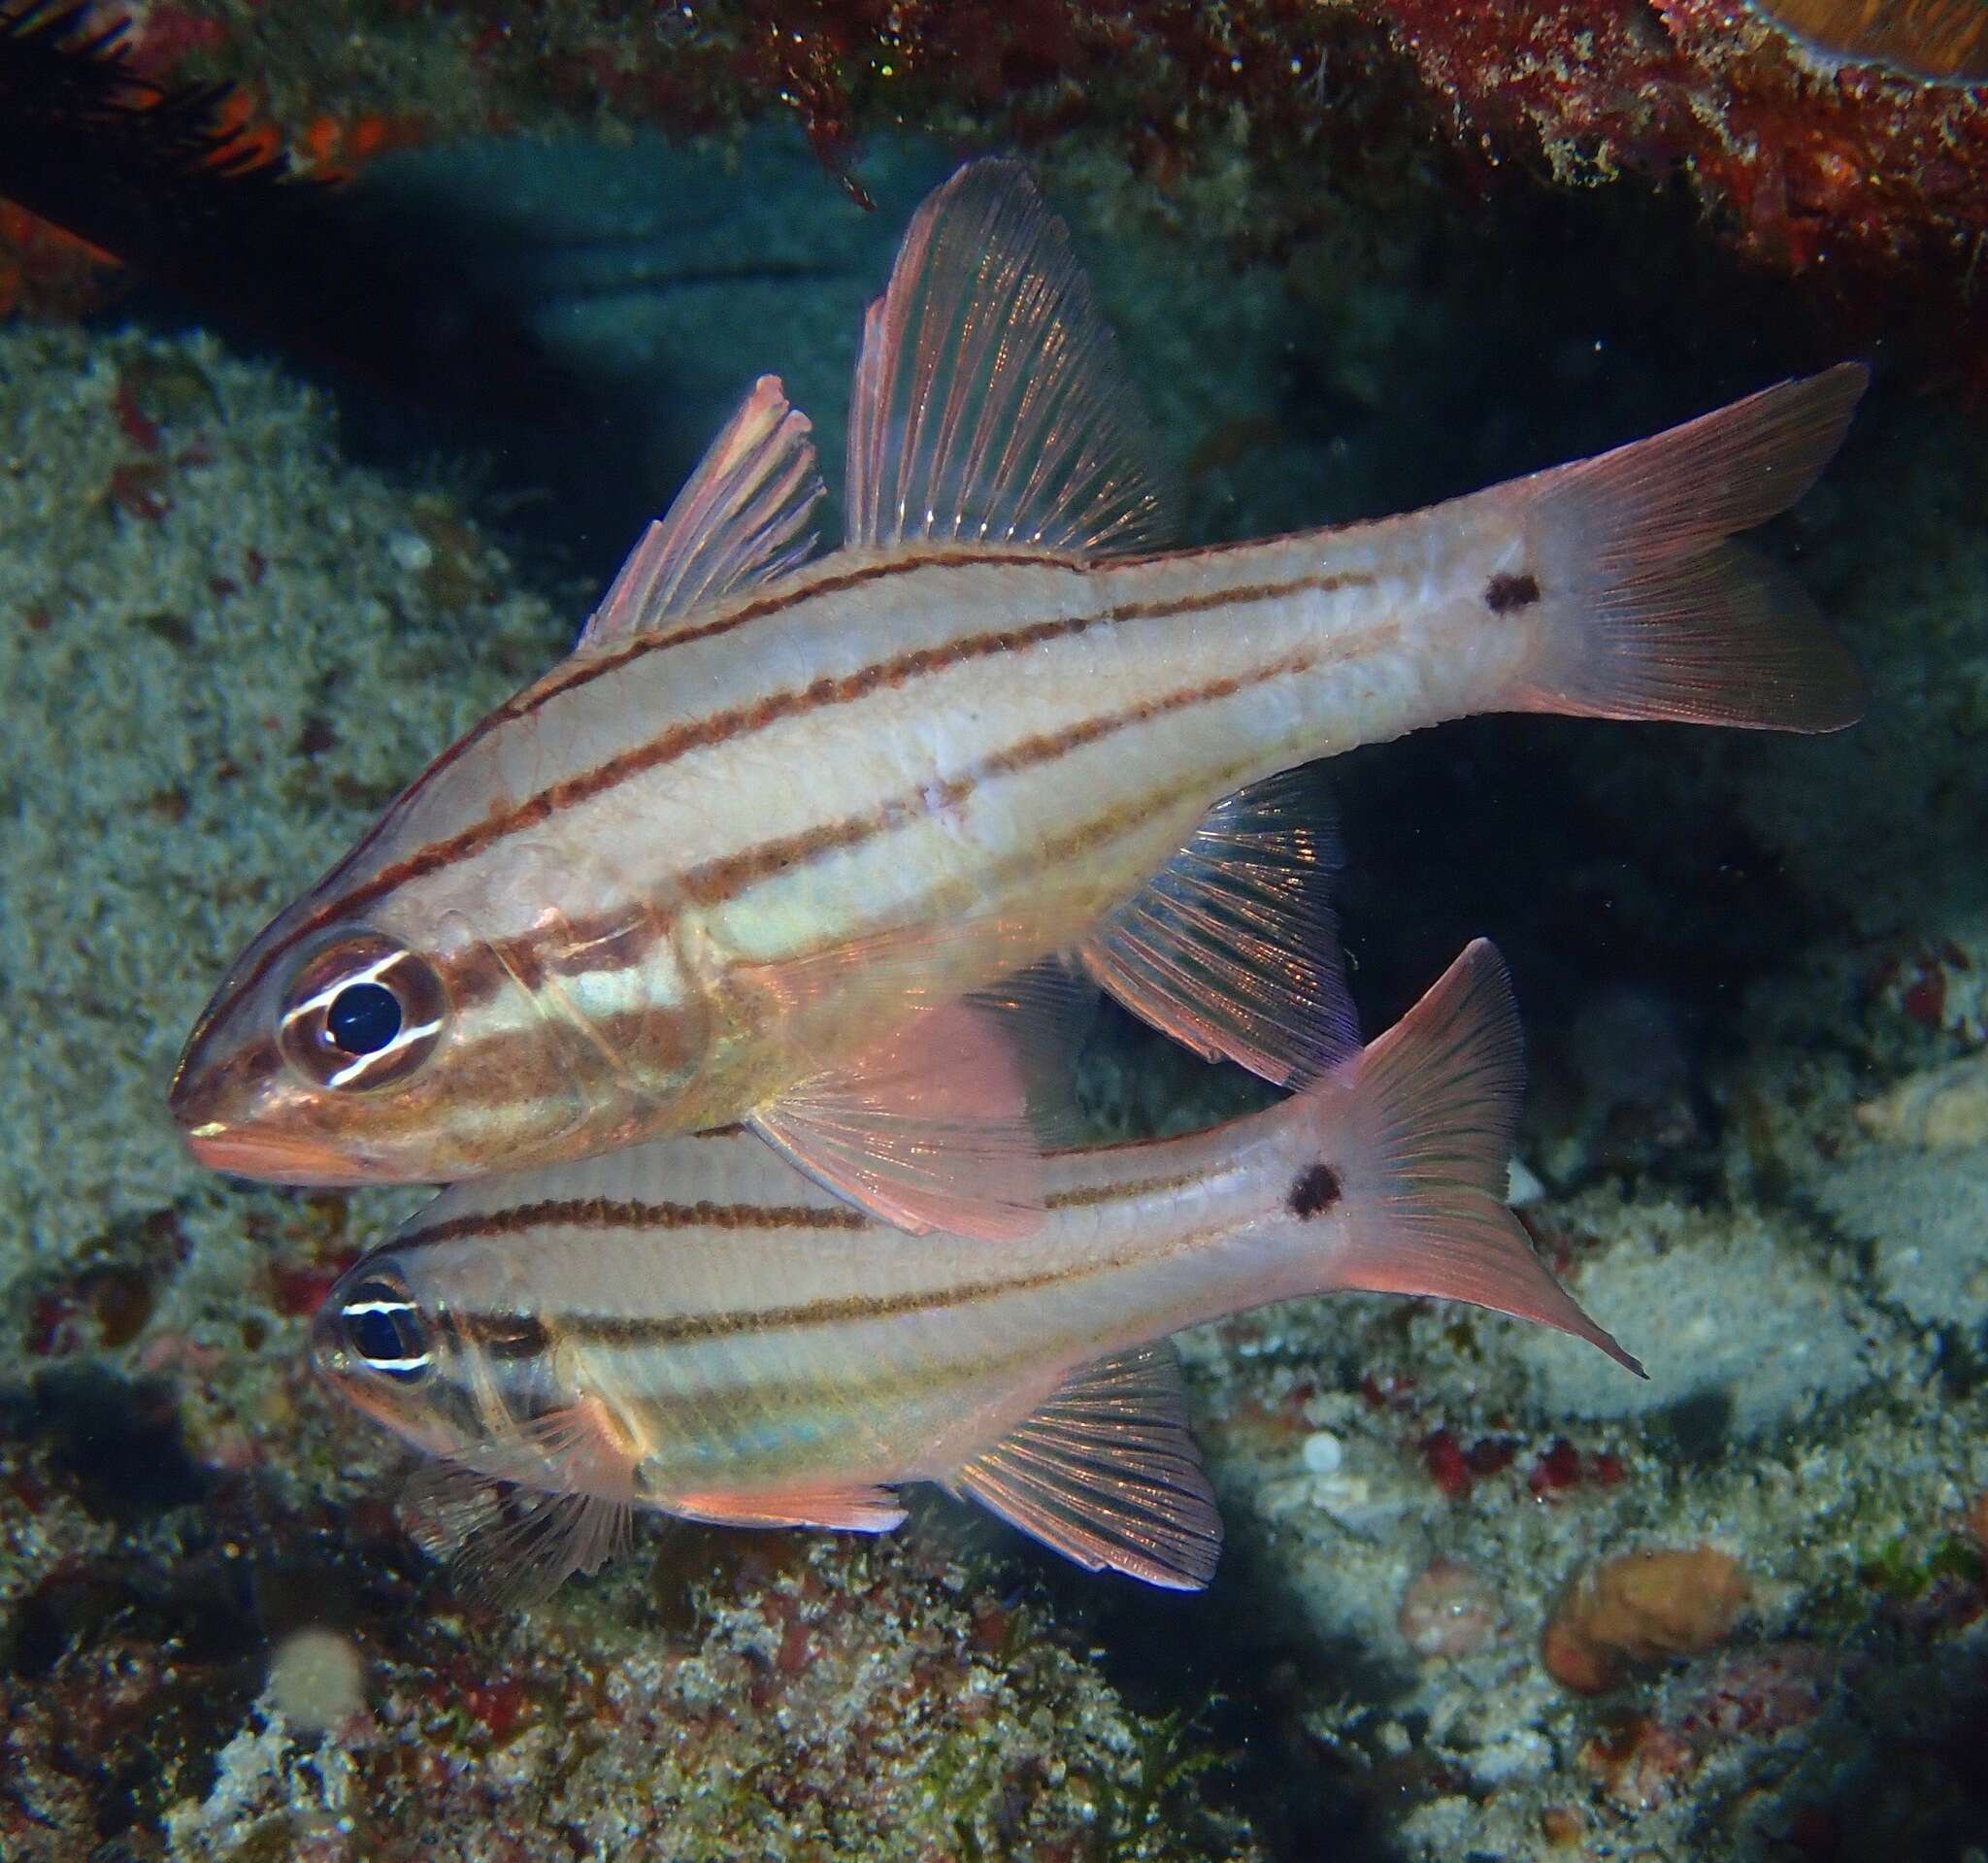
(1806, 158)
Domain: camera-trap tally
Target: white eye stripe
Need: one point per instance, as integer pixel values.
(321, 1001)
(378, 1306)
(380, 1057)
(396, 1367)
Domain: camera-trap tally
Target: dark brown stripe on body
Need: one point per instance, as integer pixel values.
(604, 1212)
(714, 882)
(1092, 1195)
(629, 1026)
(632, 1331)
(721, 726)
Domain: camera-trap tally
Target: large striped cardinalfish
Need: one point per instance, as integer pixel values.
(744, 856)
(691, 1325)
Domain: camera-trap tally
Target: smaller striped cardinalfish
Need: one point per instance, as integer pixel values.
(746, 852)
(691, 1325)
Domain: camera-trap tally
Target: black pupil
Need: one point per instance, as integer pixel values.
(364, 1017)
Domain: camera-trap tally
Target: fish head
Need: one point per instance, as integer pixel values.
(435, 1031)
(385, 1346)
(391, 1341)
(373, 1343)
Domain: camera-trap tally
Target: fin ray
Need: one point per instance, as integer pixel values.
(855, 1507)
(739, 519)
(562, 1504)
(927, 1130)
(1233, 949)
(1106, 1474)
(990, 406)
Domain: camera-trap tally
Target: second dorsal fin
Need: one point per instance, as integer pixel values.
(740, 519)
(990, 406)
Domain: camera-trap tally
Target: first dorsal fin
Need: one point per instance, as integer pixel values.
(990, 406)
(1106, 1474)
(739, 519)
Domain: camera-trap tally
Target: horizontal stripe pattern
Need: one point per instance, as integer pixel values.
(728, 725)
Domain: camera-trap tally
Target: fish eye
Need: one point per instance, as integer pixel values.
(385, 1331)
(362, 1012)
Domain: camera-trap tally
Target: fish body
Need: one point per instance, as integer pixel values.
(691, 1325)
(734, 857)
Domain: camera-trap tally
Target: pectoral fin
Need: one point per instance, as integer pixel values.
(1233, 948)
(927, 1130)
(740, 519)
(522, 1513)
(1106, 1474)
(856, 1508)
(990, 406)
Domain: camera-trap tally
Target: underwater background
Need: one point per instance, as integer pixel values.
(303, 489)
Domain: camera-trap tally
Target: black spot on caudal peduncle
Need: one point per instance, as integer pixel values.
(1315, 1191)
(1503, 593)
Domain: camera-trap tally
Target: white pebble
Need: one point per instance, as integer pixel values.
(1324, 1453)
(1521, 1186)
(411, 551)
(316, 1680)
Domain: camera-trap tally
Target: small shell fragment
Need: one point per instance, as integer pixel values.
(1939, 1109)
(1448, 1611)
(1641, 1607)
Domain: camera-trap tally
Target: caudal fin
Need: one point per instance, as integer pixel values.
(1649, 611)
(1423, 1122)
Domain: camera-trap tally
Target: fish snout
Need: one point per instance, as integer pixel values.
(269, 1157)
(330, 1356)
(237, 1112)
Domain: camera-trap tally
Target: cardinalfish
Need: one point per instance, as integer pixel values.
(747, 854)
(691, 1325)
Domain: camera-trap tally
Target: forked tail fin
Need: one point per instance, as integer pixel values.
(1415, 1146)
(1649, 611)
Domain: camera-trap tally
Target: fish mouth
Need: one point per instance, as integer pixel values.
(272, 1157)
(327, 1352)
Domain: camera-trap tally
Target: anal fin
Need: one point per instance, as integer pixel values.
(1233, 949)
(1106, 1474)
(854, 1506)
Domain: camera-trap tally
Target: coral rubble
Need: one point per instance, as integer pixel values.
(1808, 160)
